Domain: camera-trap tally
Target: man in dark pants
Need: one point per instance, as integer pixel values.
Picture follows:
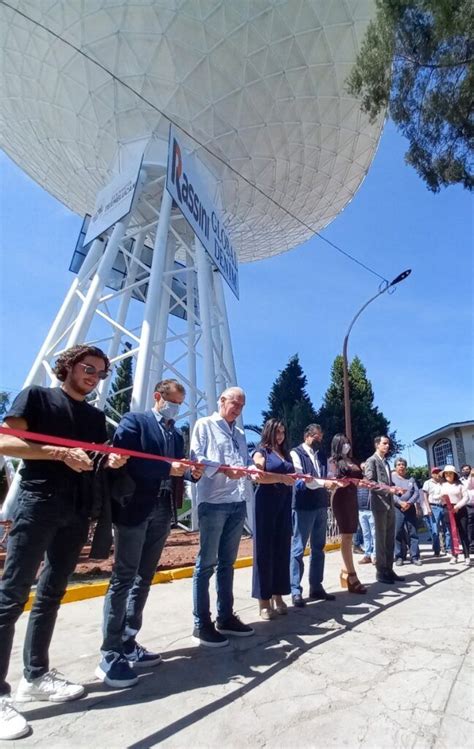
(50, 522)
(377, 469)
(141, 528)
(405, 515)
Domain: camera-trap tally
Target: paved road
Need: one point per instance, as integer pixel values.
(390, 669)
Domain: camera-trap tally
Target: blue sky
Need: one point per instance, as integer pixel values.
(416, 344)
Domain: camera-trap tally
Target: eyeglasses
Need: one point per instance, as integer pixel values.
(102, 374)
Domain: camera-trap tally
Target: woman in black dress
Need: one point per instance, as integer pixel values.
(272, 526)
(345, 508)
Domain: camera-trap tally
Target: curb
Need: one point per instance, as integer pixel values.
(83, 591)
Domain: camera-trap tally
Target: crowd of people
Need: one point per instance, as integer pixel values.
(63, 488)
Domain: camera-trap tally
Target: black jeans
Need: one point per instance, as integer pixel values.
(46, 525)
(462, 523)
(137, 553)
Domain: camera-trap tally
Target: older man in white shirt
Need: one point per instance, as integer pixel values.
(221, 495)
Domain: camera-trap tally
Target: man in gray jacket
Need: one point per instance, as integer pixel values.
(377, 468)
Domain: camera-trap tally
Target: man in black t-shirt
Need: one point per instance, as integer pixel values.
(50, 522)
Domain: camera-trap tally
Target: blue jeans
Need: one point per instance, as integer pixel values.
(137, 553)
(439, 520)
(220, 529)
(308, 524)
(367, 523)
(406, 533)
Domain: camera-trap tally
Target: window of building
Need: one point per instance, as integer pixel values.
(443, 453)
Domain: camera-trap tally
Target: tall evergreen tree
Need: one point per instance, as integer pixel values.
(417, 59)
(4, 402)
(289, 401)
(121, 388)
(367, 420)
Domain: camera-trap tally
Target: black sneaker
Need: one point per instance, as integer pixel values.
(209, 637)
(298, 601)
(233, 626)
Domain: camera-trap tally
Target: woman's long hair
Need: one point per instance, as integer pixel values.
(337, 455)
(269, 440)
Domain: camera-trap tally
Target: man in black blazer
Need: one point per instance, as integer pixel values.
(141, 527)
(377, 468)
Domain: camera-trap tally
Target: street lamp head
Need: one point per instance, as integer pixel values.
(401, 277)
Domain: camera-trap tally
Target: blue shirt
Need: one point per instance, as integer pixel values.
(215, 442)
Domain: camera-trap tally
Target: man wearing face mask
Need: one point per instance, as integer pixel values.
(310, 511)
(141, 528)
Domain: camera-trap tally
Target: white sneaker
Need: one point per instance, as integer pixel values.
(52, 687)
(12, 723)
(467, 561)
(453, 560)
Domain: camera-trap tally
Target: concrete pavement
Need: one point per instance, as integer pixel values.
(390, 669)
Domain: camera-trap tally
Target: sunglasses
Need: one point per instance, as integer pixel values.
(102, 374)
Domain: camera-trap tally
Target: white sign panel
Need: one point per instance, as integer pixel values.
(186, 189)
(113, 202)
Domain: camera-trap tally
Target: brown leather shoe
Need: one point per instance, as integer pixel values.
(365, 560)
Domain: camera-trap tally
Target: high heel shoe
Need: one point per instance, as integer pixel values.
(280, 607)
(351, 582)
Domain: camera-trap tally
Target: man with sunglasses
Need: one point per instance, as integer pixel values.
(50, 523)
(141, 527)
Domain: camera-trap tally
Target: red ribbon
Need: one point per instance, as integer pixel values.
(452, 524)
(109, 449)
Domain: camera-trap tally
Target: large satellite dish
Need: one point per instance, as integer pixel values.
(260, 83)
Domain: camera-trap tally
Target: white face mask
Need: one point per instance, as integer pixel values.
(168, 410)
(346, 449)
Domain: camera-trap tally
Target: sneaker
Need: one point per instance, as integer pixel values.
(233, 626)
(298, 600)
(467, 561)
(52, 687)
(115, 671)
(12, 723)
(357, 550)
(398, 562)
(417, 562)
(140, 657)
(453, 560)
(209, 636)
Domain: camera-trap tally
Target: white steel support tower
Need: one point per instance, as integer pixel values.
(172, 311)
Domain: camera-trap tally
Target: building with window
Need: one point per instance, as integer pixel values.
(453, 444)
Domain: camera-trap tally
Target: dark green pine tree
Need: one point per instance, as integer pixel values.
(120, 397)
(367, 420)
(289, 401)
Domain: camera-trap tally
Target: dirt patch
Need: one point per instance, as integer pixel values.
(180, 551)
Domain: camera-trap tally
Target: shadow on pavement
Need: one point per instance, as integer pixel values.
(275, 646)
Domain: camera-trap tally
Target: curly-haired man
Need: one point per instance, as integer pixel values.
(50, 522)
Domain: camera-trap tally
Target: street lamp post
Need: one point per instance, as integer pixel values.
(347, 400)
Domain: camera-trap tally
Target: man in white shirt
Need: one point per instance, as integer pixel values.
(221, 495)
